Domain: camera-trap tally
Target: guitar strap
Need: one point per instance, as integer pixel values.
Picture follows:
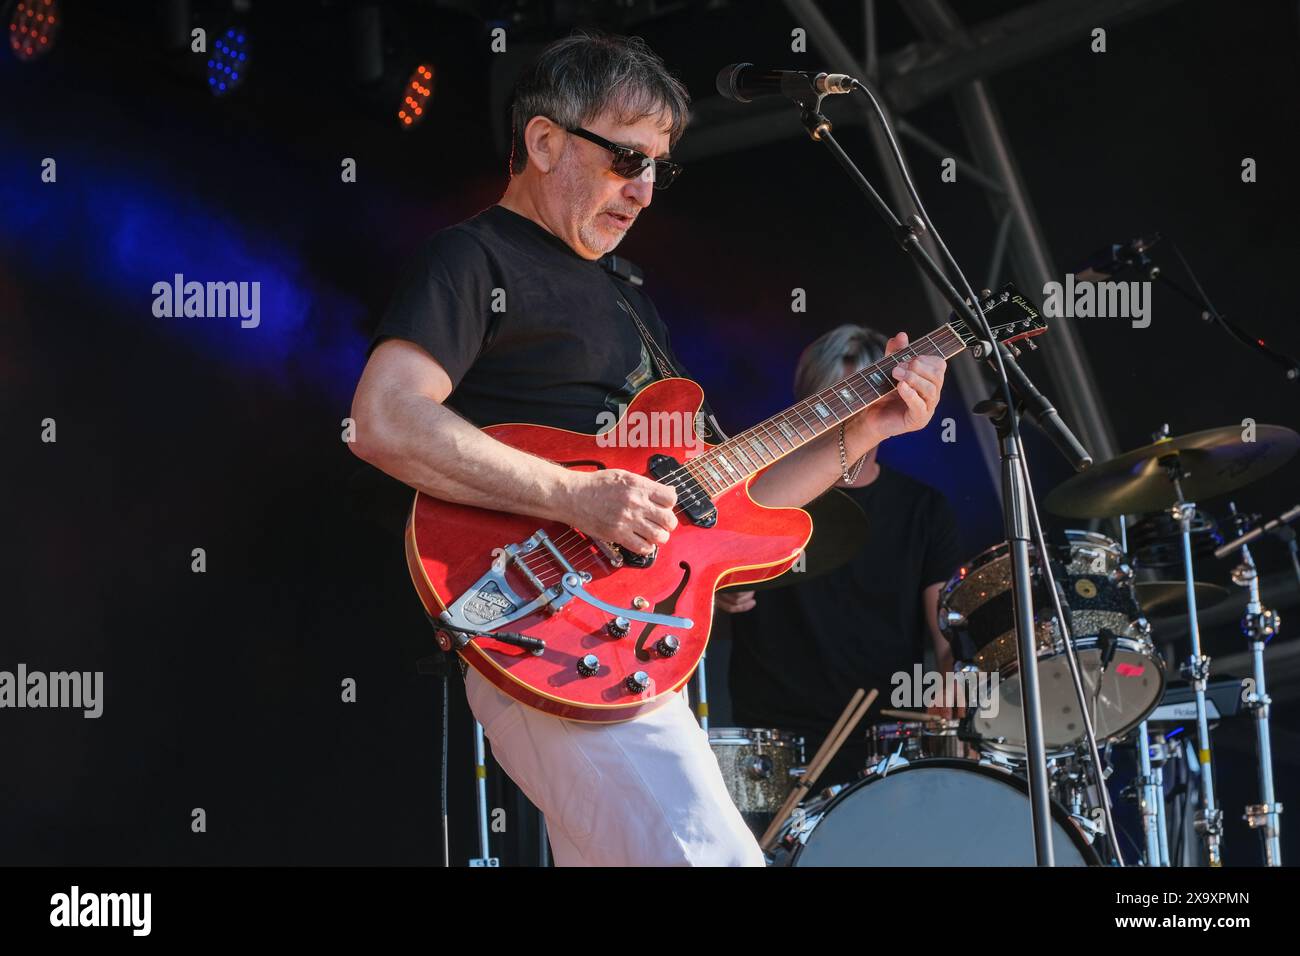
(663, 365)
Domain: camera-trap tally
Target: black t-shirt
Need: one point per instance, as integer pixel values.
(799, 655)
(527, 330)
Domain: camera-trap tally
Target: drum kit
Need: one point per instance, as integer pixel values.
(954, 792)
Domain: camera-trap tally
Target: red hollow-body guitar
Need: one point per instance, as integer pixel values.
(581, 629)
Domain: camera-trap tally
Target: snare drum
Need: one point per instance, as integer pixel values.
(914, 740)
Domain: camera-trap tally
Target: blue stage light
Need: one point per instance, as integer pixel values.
(229, 61)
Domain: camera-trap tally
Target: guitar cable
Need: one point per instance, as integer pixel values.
(461, 635)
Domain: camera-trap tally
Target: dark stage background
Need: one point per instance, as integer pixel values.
(223, 688)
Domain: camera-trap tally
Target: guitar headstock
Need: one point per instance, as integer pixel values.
(1010, 315)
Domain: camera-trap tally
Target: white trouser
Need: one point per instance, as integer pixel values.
(645, 792)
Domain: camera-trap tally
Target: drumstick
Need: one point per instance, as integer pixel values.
(839, 722)
(843, 736)
(799, 789)
(844, 726)
(829, 748)
(910, 715)
(825, 753)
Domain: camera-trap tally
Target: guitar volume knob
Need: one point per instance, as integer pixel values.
(588, 665)
(638, 682)
(668, 645)
(617, 626)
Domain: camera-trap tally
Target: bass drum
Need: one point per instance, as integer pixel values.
(937, 812)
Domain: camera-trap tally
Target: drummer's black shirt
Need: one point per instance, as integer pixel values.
(799, 655)
(526, 329)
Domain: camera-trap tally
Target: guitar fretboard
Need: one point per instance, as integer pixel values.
(733, 461)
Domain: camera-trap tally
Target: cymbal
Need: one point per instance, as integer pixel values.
(1166, 598)
(1216, 461)
(839, 532)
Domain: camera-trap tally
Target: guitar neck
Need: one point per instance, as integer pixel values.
(733, 461)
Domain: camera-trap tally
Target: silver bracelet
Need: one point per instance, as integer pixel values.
(844, 461)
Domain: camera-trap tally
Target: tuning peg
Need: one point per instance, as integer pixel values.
(1029, 344)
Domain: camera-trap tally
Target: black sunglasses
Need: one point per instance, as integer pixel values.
(631, 163)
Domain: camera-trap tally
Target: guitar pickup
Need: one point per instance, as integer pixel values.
(611, 552)
(691, 496)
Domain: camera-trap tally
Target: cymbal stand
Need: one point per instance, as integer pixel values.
(1209, 819)
(1258, 625)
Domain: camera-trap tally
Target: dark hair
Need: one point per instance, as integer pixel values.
(577, 78)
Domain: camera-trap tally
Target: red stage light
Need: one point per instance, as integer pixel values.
(35, 30)
(419, 89)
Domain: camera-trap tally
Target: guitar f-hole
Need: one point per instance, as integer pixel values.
(666, 606)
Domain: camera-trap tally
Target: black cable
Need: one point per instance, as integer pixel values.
(1184, 798)
(1138, 848)
(978, 310)
(461, 635)
(1253, 343)
(446, 702)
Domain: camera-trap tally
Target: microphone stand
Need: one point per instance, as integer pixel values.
(1077, 455)
(1015, 491)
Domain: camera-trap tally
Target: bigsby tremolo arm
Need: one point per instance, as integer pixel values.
(491, 603)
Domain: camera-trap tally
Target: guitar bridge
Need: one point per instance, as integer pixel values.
(491, 603)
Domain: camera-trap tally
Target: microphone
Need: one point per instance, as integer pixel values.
(1042, 413)
(1106, 641)
(743, 81)
(1224, 550)
(1115, 258)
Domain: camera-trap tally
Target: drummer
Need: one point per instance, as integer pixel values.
(801, 651)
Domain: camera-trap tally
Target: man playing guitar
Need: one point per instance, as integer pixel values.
(509, 317)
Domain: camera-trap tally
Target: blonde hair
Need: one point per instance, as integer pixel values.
(832, 357)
